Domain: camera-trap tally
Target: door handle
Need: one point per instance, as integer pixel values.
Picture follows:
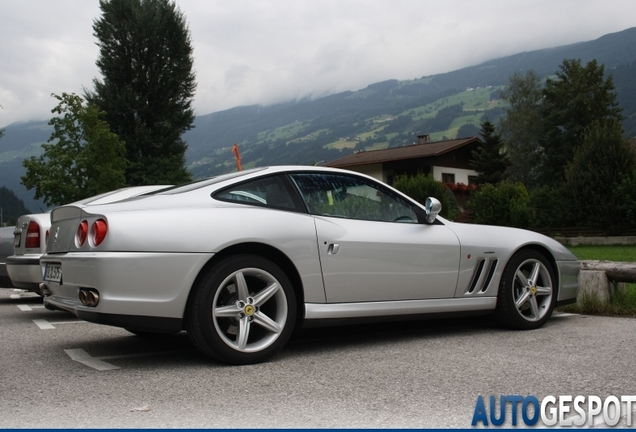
(333, 248)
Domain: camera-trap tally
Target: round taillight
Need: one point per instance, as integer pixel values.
(33, 236)
(82, 233)
(99, 229)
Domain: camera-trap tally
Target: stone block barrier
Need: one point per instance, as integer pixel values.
(605, 278)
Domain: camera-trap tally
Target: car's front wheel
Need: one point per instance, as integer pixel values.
(242, 310)
(527, 292)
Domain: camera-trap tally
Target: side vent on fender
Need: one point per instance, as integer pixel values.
(491, 272)
(476, 276)
(481, 281)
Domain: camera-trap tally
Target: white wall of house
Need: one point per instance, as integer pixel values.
(373, 170)
(461, 175)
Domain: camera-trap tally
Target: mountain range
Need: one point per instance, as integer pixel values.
(385, 114)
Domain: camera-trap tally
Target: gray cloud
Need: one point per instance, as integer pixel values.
(255, 51)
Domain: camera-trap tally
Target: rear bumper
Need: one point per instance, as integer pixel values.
(24, 271)
(144, 291)
(132, 322)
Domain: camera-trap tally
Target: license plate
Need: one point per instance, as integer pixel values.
(53, 273)
(16, 241)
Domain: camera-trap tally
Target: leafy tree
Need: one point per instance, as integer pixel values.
(489, 159)
(579, 97)
(521, 127)
(626, 190)
(145, 58)
(592, 178)
(503, 204)
(547, 209)
(82, 157)
(422, 186)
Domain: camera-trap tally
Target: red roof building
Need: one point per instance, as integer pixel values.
(447, 161)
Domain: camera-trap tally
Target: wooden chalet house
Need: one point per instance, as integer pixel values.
(447, 160)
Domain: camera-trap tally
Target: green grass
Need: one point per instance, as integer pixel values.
(623, 303)
(625, 253)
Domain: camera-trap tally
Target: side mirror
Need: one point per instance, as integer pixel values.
(432, 207)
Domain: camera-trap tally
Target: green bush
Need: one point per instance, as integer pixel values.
(422, 186)
(626, 190)
(505, 204)
(547, 208)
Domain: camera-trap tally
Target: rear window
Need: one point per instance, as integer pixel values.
(197, 184)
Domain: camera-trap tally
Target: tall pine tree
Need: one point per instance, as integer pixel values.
(145, 58)
(488, 159)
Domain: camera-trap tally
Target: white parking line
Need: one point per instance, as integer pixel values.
(26, 308)
(45, 325)
(81, 356)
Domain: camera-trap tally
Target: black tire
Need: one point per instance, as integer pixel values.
(527, 291)
(242, 310)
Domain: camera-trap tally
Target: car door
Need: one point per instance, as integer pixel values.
(372, 246)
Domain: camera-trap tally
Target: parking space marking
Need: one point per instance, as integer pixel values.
(98, 363)
(26, 308)
(81, 356)
(45, 325)
(17, 296)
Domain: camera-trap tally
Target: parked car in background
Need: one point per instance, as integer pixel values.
(242, 259)
(6, 249)
(29, 237)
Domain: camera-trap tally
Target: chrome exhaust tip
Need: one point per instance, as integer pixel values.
(44, 290)
(89, 297)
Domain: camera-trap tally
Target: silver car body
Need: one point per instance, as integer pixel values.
(6, 249)
(158, 246)
(23, 265)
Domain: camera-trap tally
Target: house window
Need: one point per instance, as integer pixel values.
(448, 178)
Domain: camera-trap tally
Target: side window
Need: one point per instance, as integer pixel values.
(267, 191)
(353, 198)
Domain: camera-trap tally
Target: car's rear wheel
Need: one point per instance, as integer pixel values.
(242, 310)
(527, 292)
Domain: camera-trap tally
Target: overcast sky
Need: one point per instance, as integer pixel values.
(262, 52)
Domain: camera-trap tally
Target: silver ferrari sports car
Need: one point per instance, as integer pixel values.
(241, 260)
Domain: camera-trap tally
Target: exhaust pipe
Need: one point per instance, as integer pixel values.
(44, 290)
(89, 296)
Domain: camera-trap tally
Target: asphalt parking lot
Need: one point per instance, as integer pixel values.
(59, 372)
